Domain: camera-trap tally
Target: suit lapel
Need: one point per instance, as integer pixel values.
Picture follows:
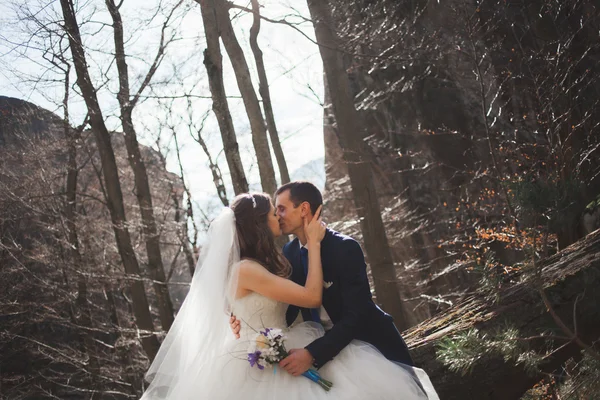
(325, 252)
(329, 273)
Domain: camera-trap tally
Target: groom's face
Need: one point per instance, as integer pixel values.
(290, 217)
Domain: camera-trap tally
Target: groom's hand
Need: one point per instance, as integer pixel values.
(298, 362)
(234, 324)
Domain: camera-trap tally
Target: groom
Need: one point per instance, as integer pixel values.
(348, 311)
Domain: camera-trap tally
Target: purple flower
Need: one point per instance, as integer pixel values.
(253, 359)
(266, 332)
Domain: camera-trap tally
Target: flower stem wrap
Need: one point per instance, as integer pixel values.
(315, 377)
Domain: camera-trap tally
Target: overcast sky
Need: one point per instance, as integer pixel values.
(293, 66)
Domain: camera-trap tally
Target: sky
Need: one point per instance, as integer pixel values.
(292, 62)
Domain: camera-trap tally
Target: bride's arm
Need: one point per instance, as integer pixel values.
(256, 278)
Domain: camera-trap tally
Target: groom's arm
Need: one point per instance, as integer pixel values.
(356, 295)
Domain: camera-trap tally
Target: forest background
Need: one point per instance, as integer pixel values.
(457, 141)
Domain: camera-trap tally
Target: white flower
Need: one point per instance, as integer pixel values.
(273, 333)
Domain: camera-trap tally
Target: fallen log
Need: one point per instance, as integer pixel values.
(571, 280)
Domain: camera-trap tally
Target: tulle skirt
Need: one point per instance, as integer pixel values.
(359, 372)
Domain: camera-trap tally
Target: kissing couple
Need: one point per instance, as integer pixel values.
(315, 291)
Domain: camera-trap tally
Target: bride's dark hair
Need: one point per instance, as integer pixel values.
(257, 242)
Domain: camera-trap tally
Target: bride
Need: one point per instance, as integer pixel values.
(242, 271)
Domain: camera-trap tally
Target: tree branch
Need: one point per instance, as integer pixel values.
(159, 55)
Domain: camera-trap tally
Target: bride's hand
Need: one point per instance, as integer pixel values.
(315, 229)
(234, 324)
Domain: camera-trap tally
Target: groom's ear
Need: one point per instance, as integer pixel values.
(305, 209)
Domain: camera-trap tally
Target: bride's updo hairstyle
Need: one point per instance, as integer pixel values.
(257, 242)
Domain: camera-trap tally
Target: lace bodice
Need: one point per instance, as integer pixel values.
(256, 312)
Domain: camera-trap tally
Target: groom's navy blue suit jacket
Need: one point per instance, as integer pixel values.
(348, 302)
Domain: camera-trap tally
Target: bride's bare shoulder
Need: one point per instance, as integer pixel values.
(249, 265)
(250, 273)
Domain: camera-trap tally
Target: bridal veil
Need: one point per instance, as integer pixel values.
(201, 329)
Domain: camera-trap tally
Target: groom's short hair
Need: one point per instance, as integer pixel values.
(301, 191)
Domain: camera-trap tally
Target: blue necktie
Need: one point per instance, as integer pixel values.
(314, 312)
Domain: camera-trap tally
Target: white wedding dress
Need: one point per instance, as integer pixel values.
(359, 372)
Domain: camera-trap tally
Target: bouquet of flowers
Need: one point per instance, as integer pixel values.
(268, 349)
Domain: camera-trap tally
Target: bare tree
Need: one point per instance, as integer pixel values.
(71, 136)
(182, 215)
(70, 214)
(110, 172)
(265, 94)
(56, 57)
(196, 134)
(213, 61)
(244, 81)
(127, 104)
(350, 135)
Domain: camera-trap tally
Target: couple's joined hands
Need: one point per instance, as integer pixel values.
(299, 360)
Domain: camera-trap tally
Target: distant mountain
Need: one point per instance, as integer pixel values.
(313, 171)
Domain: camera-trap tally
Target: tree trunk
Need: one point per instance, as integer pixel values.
(213, 61)
(350, 135)
(214, 167)
(570, 278)
(182, 217)
(183, 235)
(244, 81)
(141, 308)
(85, 317)
(142, 187)
(263, 89)
(216, 172)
